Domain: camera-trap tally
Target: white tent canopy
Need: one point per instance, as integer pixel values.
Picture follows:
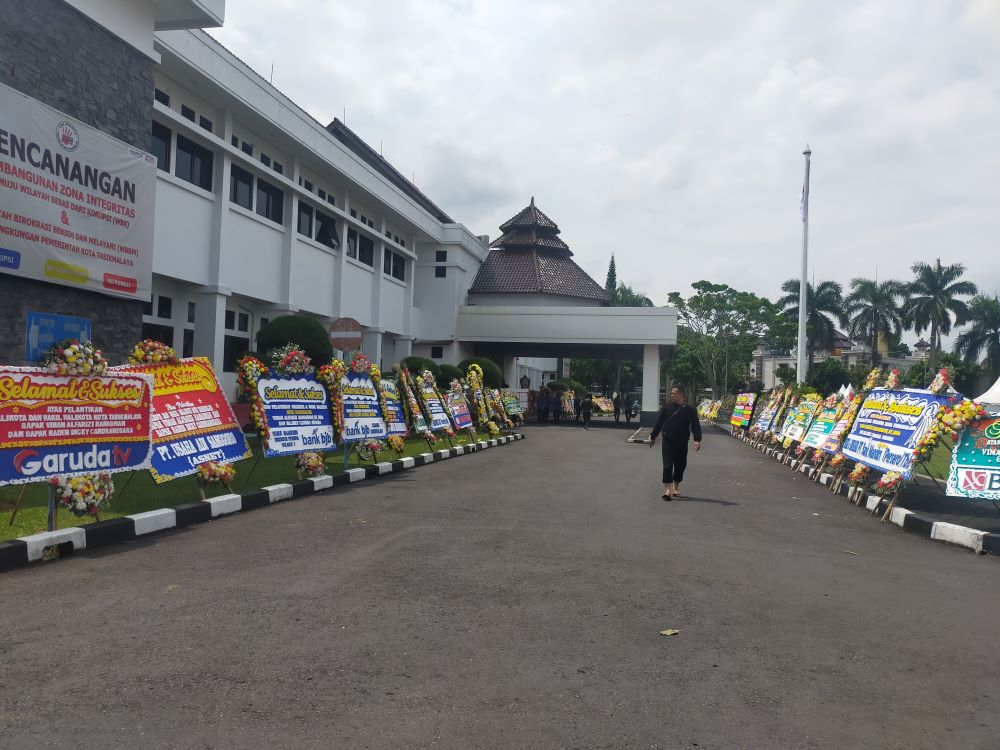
(992, 396)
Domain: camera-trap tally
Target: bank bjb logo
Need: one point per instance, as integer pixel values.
(980, 481)
(29, 462)
(68, 135)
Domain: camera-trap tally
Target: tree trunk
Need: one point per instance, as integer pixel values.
(934, 348)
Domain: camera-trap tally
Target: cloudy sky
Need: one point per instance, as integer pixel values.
(671, 133)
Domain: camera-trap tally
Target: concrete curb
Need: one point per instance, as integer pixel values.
(633, 439)
(980, 542)
(18, 553)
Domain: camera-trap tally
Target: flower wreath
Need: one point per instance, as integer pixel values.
(360, 363)
(249, 371)
(411, 407)
(892, 382)
(152, 352)
(73, 357)
(838, 460)
(214, 472)
(84, 495)
(950, 421)
(310, 464)
(330, 375)
(492, 428)
(396, 443)
(888, 484)
(429, 436)
(291, 359)
(859, 474)
(376, 375)
(818, 455)
(940, 383)
(872, 380)
(368, 450)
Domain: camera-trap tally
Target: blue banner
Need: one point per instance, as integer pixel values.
(44, 330)
(297, 410)
(888, 427)
(438, 416)
(362, 415)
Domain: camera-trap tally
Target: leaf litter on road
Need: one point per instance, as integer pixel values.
(669, 631)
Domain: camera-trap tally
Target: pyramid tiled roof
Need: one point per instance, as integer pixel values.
(528, 258)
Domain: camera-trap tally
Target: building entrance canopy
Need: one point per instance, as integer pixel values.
(646, 333)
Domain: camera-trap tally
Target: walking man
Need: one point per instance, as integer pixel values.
(585, 409)
(676, 420)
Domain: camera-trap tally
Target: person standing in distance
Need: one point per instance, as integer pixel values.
(676, 420)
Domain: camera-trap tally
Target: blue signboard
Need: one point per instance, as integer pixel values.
(362, 415)
(45, 330)
(297, 410)
(888, 427)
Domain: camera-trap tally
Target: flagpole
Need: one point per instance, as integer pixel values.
(803, 364)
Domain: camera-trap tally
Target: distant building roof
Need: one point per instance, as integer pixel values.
(373, 159)
(529, 258)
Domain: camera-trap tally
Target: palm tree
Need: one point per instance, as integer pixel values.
(625, 296)
(824, 306)
(983, 336)
(934, 301)
(872, 308)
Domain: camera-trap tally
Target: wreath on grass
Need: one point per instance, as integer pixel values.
(73, 357)
(84, 495)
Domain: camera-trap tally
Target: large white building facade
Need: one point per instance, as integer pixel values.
(260, 210)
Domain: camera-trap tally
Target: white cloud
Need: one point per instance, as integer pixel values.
(671, 133)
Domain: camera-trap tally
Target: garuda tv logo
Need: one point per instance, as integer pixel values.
(68, 135)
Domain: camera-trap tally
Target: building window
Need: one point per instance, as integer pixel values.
(243, 322)
(265, 159)
(191, 309)
(235, 141)
(331, 200)
(388, 234)
(205, 123)
(441, 256)
(187, 112)
(247, 148)
(264, 322)
(440, 272)
(162, 97)
(230, 320)
(321, 193)
(164, 307)
(147, 307)
(161, 146)
(188, 350)
(241, 188)
(233, 347)
(394, 265)
(270, 201)
(371, 223)
(437, 352)
(158, 333)
(364, 220)
(402, 243)
(307, 185)
(354, 214)
(326, 230)
(366, 250)
(352, 243)
(305, 220)
(194, 163)
(278, 167)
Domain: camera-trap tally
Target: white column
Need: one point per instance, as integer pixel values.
(510, 370)
(650, 383)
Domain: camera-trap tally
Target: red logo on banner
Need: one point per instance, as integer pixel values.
(120, 283)
(974, 480)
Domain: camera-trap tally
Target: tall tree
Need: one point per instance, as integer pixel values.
(933, 302)
(983, 335)
(824, 309)
(611, 283)
(626, 296)
(874, 308)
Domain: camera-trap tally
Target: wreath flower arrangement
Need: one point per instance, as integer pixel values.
(360, 363)
(368, 450)
(449, 433)
(872, 380)
(376, 375)
(396, 443)
(951, 420)
(290, 359)
(429, 436)
(838, 460)
(248, 372)
(152, 352)
(859, 474)
(940, 383)
(213, 472)
(330, 375)
(493, 429)
(888, 484)
(73, 357)
(310, 464)
(892, 382)
(818, 455)
(84, 495)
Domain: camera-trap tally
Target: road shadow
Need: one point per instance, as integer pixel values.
(713, 501)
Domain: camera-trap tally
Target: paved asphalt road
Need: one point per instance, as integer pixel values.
(512, 599)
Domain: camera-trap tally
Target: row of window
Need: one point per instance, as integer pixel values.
(323, 195)
(318, 226)
(164, 98)
(192, 162)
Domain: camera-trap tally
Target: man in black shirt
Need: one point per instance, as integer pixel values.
(676, 421)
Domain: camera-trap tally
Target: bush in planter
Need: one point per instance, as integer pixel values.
(492, 375)
(417, 365)
(305, 332)
(447, 373)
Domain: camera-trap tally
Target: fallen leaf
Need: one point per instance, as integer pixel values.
(852, 553)
(171, 587)
(669, 632)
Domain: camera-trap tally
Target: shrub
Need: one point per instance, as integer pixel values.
(418, 364)
(492, 375)
(446, 374)
(307, 333)
(568, 384)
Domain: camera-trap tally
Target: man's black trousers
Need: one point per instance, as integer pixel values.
(675, 460)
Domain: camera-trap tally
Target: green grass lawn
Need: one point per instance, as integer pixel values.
(938, 464)
(136, 492)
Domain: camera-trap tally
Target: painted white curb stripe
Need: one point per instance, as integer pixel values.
(38, 542)
(408, 462)
(322, 482)
(278, 492)
(384, 468)
(899, 515)
(961, 535)
(225, 504)
(154, 520)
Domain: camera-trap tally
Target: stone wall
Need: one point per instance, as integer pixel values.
(51, 52)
